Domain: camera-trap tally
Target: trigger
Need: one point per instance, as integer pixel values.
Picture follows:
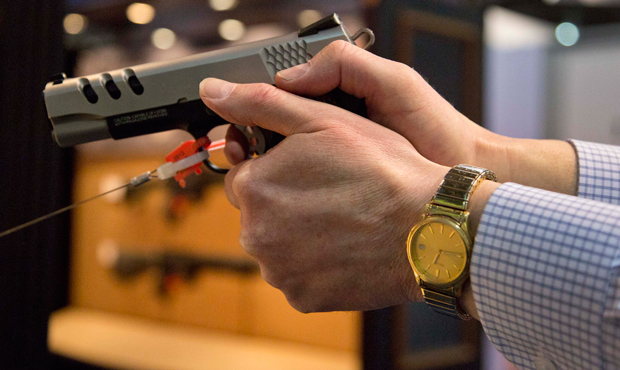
(256, 140)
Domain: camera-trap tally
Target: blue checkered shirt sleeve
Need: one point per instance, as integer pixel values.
(546, 268)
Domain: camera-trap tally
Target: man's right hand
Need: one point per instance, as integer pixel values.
(399, 98)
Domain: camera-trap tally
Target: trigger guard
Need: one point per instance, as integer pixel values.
(256, 139)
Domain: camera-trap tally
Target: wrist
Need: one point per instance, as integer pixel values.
(544, 164)
(477, 204)
(494, 152)
(466, 301)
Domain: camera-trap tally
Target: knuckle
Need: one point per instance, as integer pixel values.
(265, 94)
(404, 69)
(300, 295)
(256, 204)
(403, 72)
(245, 187)
(300, 306)
(242, 181)
(305, 297)
(272, 278)
(409, 74)
(254, 239)
(339, 48)
(295, 299)
(305, 303)
(248, 242)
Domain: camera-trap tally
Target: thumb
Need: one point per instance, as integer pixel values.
(268, 107)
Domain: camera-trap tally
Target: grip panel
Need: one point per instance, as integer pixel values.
(335, 97)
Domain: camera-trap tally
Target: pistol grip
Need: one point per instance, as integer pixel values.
(345, 101)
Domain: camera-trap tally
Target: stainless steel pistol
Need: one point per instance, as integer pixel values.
(163, 96)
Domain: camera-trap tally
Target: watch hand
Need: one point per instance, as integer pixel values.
(453, 254)
(436, 257)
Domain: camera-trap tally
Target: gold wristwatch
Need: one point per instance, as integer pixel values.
(439, 246)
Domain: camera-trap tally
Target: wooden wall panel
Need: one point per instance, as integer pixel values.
(210, 227)
(274, 317)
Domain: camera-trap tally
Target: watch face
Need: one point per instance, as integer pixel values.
(437, 251)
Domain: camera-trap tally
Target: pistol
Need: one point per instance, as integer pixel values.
(164, 96)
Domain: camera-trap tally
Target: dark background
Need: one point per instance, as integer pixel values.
(35, 179)
(36, 175)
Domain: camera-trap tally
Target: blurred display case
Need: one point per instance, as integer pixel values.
(171, 256)
(158, 278)
(442, 41)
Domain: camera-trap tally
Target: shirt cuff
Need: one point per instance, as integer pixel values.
(540, 272)
(599, 178)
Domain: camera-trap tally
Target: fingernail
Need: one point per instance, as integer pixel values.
(294, 72)
(213, 88)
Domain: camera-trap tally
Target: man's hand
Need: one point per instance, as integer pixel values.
(400, 99)
(326, 213)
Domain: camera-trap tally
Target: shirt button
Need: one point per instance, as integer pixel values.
(542, 363)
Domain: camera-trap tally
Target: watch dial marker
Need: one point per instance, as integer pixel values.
(459, 255)
(431, 228)
(452, 234)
